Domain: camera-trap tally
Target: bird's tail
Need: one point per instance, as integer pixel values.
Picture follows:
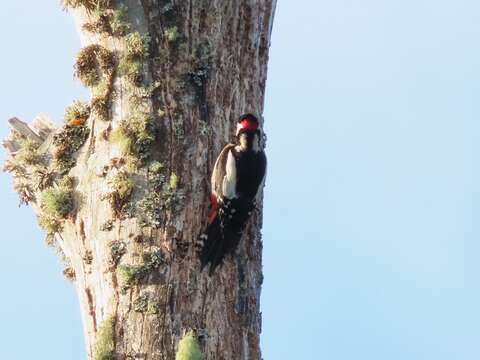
(224, 233)
(214, 249)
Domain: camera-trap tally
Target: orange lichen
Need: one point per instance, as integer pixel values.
(78, 122)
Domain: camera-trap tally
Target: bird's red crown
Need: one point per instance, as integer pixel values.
(248, 122)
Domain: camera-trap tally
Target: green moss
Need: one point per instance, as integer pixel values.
(103, 89)
(137, 45)
(135, 136)
(161, 113)
(50, 224)
(100, 25)
(67, 182)
(102, 96)
(105, 340)
(55, 205)
(117, 22)
(101, 107)
(94, 62)
(173, 183)
(129, 275)
(123, 185)
(153, 308)
(136, 50)
(156, 167)
(28, 154)
(89, 5)
(67, 142)
(95, 67)
(101, 100)
(120, 136)
(57, 202)
(108, 21)
(122, 190)
(43, 178)
(50, 240)
(171, 34)
(76, 113)
(131, 70)
(131, 62)
(139, 98)
(188, 348)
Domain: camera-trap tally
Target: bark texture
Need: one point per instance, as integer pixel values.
(206, 65)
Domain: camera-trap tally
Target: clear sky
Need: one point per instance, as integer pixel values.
(370, 241)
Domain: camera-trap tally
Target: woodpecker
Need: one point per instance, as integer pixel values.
(237, 176)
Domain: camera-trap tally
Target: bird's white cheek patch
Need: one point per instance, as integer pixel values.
(239, 127)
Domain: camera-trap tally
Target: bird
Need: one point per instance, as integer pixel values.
(237, 177)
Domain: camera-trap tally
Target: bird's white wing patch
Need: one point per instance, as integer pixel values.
(219, 171)
(229, 186)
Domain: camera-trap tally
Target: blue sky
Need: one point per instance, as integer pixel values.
(370, 241)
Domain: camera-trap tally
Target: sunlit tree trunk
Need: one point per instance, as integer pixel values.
(122, 188)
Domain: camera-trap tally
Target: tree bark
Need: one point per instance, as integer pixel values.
(206, 65)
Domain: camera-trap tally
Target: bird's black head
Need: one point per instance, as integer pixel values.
(249, 134)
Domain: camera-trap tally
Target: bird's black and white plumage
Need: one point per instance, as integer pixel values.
(237, 176)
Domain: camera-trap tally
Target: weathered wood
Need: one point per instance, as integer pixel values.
(208, 71)
(11, 145)
(23, 129)
(42, 126)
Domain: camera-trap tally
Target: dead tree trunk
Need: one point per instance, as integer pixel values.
(122, 187)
